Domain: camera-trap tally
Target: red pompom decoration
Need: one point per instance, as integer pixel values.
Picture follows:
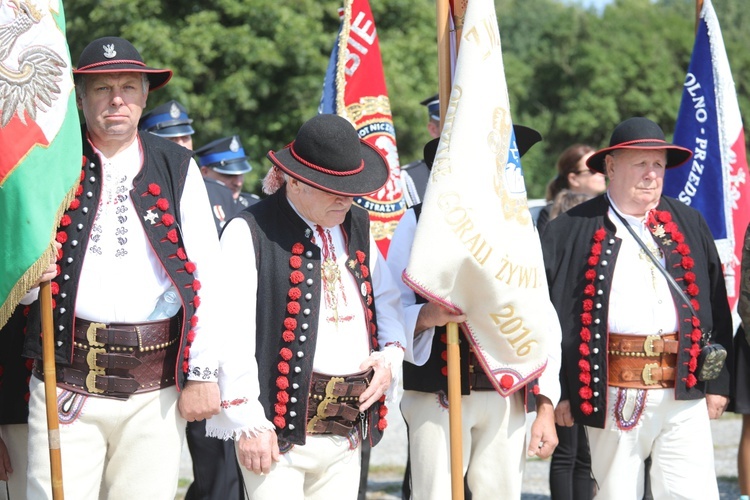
(296, 277)
(282, 397)
(288, 336)
(585, 334)
(584, 349)
(590, 275)
(599, 235)
(290, 323)
(585, 392)
(584, 378)
(506, 381)
(61, 237)
(162, 204)
(297, 249)
(282, 383)
(596, 249)
(190, 267)
(586, 408)
(181, 254)
(65, 220)
(382, 424)
(283, 367)
(196, 285)
(589, 290)
(593, 260)
(360, 256)
(279, 409)
(294, 293)
(154, 189)
(692, 289)
(664, 217)
(588, 305)
(172, 235)
(279, 422)
(285, 353)
(295, 262)
(586, 319)
(365, 271)
(691, 381)
(584, 365)
(75, 204)
(293, 308)
(167, 219)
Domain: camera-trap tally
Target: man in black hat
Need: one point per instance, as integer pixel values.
(494, 455)
(171, 121)
(414, 175)
(137, 235)
(321, 320)
(224, 164)
(636, 281)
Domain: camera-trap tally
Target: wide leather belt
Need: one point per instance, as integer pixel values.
(117, 360)
(478, 380)
(333, 406)
(642, 361)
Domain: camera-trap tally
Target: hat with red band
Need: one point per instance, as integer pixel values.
(639, 133)
(112, 54)
(327, 154)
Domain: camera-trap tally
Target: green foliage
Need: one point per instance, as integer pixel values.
(256, 67)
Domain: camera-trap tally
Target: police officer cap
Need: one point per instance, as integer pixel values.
(167, 120)
(433, 106)
(224, 155)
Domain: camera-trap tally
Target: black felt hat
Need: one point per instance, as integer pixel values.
(167, 120)
(525, 138)
(329, 155)
(639, 133)
(113, 54)
(225, 156)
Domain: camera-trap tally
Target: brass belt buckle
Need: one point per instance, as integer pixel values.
(330, 396)
(91, 334)
(648, 345)
(646, 374)
(94, 370)
(91, 359)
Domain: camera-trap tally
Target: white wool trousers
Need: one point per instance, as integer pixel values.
(677, 435)
(324, 468)
(111, 449)
(494, 451)
(15, 437)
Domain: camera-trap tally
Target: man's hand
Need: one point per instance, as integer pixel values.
(543, 439)
(381, 380)
(256, 453)
(716, 405)
(5, 467)
(432, 315)
(199, 400)
(51, 270)
(563, 415)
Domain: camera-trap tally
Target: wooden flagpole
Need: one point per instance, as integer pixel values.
(698, 9)
(454, 355)
(50, 390)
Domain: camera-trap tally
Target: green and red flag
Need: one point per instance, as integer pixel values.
(40, 141)
(355, 88)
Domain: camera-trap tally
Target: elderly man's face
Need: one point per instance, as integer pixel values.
(322, 208)
(636, 178)
(112, 105)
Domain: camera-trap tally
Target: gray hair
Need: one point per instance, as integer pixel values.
(80, 83)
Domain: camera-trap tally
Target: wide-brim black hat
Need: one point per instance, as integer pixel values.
(525, 138)
(112, 54)
(639, 133)
(328, 155)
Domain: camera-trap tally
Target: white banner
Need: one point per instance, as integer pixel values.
(476, 250)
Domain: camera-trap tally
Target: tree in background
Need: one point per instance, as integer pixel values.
(256, 67)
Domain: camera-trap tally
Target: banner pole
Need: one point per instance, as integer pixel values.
(698, 9)
(50, 390)
(454, 412)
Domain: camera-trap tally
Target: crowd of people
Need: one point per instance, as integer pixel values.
(290, 336)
